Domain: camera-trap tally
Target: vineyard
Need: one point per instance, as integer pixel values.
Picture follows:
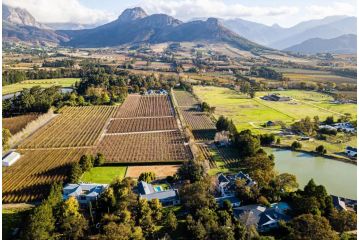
(200, 123)
(16, 124)
(143, 130)
(145, 106)
(76, 126)
(142, 124)
(29, 179)
(145, 147)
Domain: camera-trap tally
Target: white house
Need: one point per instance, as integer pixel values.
(10, 159)
(84, 192)
(166, 197)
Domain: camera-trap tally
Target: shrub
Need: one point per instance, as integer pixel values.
(321, 149)
(99, 160)
(147, 177)
(296, 145)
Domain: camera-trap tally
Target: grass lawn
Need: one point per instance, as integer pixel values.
(251, 113)
(105, 174)
(11, 219)
(44, 83)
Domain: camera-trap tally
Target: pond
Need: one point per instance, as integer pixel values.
(339, 178)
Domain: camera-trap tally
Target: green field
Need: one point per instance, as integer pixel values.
(251, 113)
(104, 174)
(44, 83)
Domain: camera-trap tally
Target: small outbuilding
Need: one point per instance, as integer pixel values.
(10, 159)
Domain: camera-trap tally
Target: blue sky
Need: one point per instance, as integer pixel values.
(284, 12)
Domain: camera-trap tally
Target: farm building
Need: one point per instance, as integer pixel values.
(166, 197)
(84, 193)
(276, 97)
(10, 159)
(350, 151)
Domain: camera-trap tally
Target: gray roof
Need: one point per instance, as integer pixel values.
(162, 195)
(145, 188)
(90, 190)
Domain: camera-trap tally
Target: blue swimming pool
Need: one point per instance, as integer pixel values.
(158, 188)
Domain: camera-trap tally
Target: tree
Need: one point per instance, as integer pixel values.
(41, 224)
(286, 182)
(329, 120)
(156, 209)
(114, 231)
(107, 200)
(321, 150)
(296, 145)
(99, 160)
(193, 170)
(342, 221)
(147, 177)
(267, 139)
(246, 143)
(72, 223)
(6, 135)
(171, 221)
(86, 162)
(309, 226)
(75, 172)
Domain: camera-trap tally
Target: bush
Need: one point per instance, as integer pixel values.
(99, 160)
(147, 177)
(86, 162)
(296, 145)
(75, 173)
(267, 139)
(321, 149)
(263, 201)
(278, 141)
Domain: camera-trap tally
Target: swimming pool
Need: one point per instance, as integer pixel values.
(158, 188)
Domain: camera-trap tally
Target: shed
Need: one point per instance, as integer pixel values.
(10, 159)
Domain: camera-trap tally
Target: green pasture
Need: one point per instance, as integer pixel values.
(104, 174)
(44, 83)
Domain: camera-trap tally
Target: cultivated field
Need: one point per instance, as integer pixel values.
(76, 126)
(251, 113)
(145, 106)
(44, 83)
(16, 124)
(29, 178)
(142, 124)
(104, 174)
(200, 123)
(145, 147)
(159, 170)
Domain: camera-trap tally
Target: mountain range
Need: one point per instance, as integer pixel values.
(342, 44)
(135, 26)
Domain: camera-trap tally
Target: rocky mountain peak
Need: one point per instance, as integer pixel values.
(19, 16)
(132, 14)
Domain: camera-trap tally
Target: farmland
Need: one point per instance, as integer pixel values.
(145, 147)
(29, 178)
(145, 106)
(44, 83)
(75, 126)
(159, 170)
(142, 124)
(199, 122)
(17, 123)
(145, 131)
(251, 113)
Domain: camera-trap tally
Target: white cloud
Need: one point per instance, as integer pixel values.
(47, 11)
(188, 9)
(336, 8)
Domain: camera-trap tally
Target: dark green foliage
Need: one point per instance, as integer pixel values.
(342, 221)
(329, 120)
(305, 126)
(321, 149)
(67, 63)
(147, 177)
(265, 72)
(171, 221)
(6, 135)
(309, 226)
(75, 172)
(86, 162)
(41, 223)
(193, 170)
(99, 160)
(267, 139)
(247, 143)
(296, 145)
